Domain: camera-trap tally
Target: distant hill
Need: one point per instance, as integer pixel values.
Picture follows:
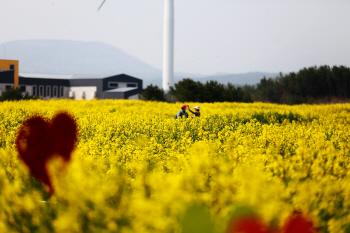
(250, 78)
(76, 57)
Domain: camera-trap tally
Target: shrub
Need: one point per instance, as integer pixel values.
(13, 94)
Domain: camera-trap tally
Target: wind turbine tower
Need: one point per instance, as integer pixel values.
(168, 45)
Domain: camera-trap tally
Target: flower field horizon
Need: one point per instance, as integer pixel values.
(137, 169)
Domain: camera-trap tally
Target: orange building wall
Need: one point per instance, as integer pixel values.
(5, 65)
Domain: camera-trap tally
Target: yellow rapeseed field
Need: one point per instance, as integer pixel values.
(137, 169)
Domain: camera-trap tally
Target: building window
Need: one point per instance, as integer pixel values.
(131, 85)
(48, 91)
(22, 88)
(113, 84)
(41, 91)
(12, 67)
(54, 91)
(61, 92)
(34, 90)
(8, 87)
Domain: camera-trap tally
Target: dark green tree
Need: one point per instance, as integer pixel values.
(268, 90)
(233, 94)
(213, 92)
(188, 90)
(306, 85)
(153, 93)
(324, 75)
(341, 77)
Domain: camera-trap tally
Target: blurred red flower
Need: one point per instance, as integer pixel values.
(296, 223)
(38, 140)
(247, 224)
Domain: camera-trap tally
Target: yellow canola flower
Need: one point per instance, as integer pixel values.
(137, 169)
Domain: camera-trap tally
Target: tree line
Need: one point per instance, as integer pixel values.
(305, 86)
(188, 90)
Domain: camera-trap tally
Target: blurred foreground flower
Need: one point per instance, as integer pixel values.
(247, 224)
(196, 219)
(38, 140)
(296, 223)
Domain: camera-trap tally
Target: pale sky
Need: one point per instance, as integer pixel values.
(211, 36)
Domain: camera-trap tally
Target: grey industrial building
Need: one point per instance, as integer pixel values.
(48, 86)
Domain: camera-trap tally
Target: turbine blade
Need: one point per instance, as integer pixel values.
(101, 5)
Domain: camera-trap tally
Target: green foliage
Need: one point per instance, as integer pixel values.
(272, 118)
(213, 92)
(275, 117)
(188, 90)
(267, 90)
(305, 86)
(153, 93)
(196, 220)
(13, 94)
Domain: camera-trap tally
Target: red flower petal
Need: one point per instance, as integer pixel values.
(297, 223)
(37, 141)
(247, 224)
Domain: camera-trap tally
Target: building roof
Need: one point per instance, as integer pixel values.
(92, 76)
(122, 89)
(66, 76)
(49, 76)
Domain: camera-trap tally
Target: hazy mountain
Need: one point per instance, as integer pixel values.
(250, 78)
(75, 57)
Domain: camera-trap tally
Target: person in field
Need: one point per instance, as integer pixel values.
(182, 112)
(196, 112)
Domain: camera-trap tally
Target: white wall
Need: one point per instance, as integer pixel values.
(79, 93)
(29, 89)
(134, 97)
(65, 92)
(3, 86)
